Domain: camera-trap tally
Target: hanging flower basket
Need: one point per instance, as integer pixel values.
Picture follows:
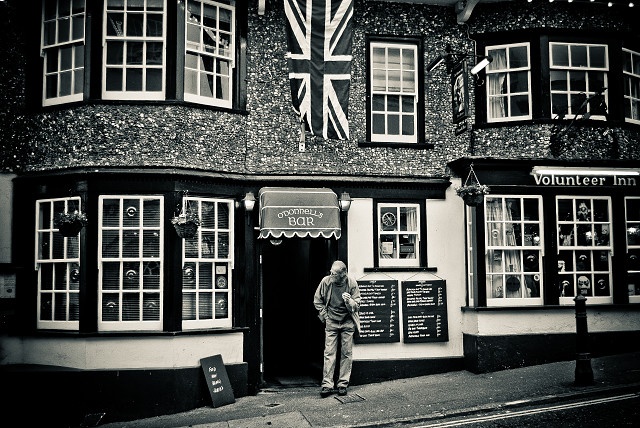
(70, 224)
(472, 192)
(472, 195)
(186, 223)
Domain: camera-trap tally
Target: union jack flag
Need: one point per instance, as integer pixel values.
(319, 57)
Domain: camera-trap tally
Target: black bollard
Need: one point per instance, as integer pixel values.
(584, 373)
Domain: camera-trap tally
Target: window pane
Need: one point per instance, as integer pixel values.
(578, 56)
(560, 55)
(597, 56)
(518, 57)
(519, 82)
(519, 105)
(377, 124)
(114, 79)
(393, 124)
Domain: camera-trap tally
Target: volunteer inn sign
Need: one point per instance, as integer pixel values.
(588, 177)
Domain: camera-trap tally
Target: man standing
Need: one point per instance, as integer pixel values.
(337, 298)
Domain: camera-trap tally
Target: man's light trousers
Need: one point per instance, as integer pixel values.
(332, 331)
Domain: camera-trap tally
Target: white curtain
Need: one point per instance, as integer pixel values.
(507, 264)
(497, 84)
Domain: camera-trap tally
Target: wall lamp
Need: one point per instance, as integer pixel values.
(249, 201)
(345, 202)
(451, 58)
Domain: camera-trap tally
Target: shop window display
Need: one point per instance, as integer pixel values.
(514, 250)
(632, 215)
(58, 266)
(130, 263)
(584, 248)
(206, 273)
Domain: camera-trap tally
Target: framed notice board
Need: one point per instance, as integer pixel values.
(424, 311)
(379, 319)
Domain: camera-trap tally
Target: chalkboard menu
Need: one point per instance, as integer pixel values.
(215, 375)
(424, 307)
(379, 320)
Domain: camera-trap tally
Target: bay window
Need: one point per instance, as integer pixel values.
(139, 40)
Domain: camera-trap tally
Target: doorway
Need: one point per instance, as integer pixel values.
(293, 336)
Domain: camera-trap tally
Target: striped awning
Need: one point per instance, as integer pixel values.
(298, 212)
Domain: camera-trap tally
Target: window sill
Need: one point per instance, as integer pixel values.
(612, 307)
(416, 146)
(75, 104)
(112, 334)
(400, 269)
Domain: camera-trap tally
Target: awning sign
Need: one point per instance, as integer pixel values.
(298, 212)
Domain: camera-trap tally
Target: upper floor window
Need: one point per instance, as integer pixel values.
(208, 263)
(514, 250)
(631, 69)
(398, 234)
(63, 40)
(134, 49)
(130, 294)
(584, 248)
(577, 71)
(58, 265)
(509, 83)
(394, 94)
(209, 52)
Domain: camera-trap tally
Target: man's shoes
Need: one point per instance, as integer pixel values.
(342, 391)
(325, 392)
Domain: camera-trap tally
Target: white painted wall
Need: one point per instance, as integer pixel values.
(548, 321)
(445, 251)
(121, 352)
(6, 211)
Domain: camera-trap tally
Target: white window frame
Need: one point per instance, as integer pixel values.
(492, 69)
(569, 92)
(630, 74)
(401, 92)
(629, 225)
(499, 246)
(397, 261)
(49, 230)
(575, 273)
(125, 94)
(138, 325)
(222, 279)
(56, 47)
(205, 50)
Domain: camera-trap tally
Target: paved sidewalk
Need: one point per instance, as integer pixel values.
(409, 400)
